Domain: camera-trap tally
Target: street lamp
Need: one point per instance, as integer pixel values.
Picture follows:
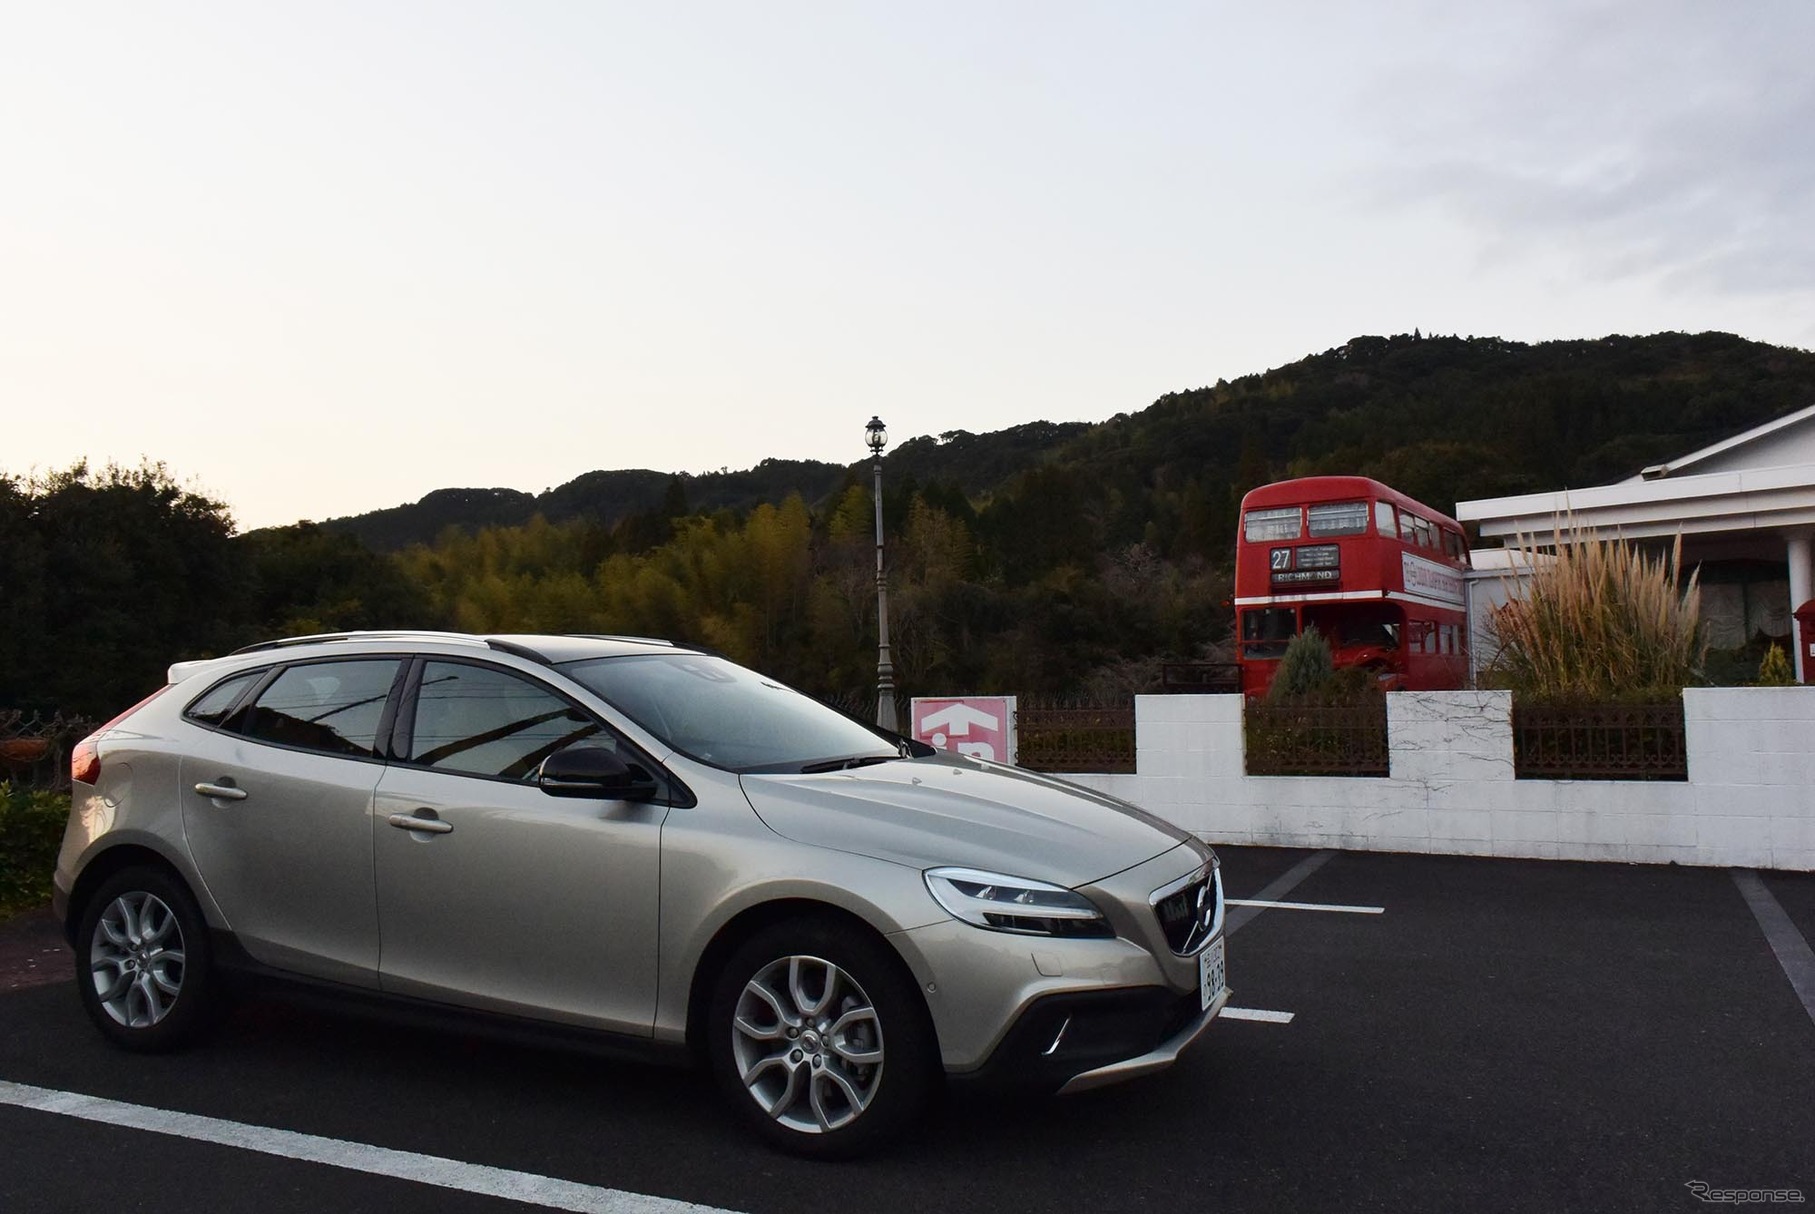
(877, 436)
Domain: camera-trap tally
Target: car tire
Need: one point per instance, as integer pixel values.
(143, 963)
(819, 1039)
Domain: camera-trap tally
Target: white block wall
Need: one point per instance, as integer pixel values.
(1748, 801)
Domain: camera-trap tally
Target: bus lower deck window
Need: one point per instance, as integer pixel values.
(1266, 631)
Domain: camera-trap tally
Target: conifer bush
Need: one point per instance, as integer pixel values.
(1305, 667)
(1775, 670)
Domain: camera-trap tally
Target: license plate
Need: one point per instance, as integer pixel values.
(1212, 978)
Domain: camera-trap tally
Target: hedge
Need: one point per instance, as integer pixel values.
(31, 831)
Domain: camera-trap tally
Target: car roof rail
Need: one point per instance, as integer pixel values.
(521, 651)
(687, 646)
(322, 638)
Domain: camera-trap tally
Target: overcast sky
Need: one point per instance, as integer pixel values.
(323, 258)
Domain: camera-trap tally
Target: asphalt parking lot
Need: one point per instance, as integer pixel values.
(1501, 1035)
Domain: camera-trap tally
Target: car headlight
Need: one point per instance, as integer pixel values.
(1014, 904)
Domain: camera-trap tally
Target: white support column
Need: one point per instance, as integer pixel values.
(1802, 589)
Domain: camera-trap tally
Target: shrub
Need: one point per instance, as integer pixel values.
(1304, 668)
(31, 831)
(1775, 670)
(1604, 621)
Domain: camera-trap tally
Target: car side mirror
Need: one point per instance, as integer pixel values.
(594, 772)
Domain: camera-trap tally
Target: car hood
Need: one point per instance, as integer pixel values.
(960, 811)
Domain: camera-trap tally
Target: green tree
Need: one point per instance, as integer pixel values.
(132, 571)
(1775, 670)
(1305, 668)
(306, 579)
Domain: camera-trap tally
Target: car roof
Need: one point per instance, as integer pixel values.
(545, 649)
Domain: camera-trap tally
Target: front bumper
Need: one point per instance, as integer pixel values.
(1156, 1059)
(1000, 1001)
(1077, 1040)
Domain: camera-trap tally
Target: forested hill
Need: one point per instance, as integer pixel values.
(1448, 418)
(1442, 418)
(605, 497)
(974, 463)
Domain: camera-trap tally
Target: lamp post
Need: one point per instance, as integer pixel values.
(877, 436)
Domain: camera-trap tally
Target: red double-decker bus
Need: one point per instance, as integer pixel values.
(1379, 574)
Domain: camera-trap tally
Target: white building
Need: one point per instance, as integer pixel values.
(1744, 507)
(1495, 576)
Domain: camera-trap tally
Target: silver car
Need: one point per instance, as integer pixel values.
(642, 842)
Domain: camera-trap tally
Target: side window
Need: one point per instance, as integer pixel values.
(333, 707)
(210, 708)
(481, 721)
(1384, 523)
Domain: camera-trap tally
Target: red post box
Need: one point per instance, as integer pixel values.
(1805, 638)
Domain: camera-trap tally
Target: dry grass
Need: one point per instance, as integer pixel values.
(1604, 621)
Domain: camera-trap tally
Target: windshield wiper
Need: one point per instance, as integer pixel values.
(845, 764)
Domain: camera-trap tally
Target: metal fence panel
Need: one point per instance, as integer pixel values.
(1061, 737)
(1599, 741)
(1289, 739)
(34, 747)
(1200, 678)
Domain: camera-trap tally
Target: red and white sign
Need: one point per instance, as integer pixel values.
(982, 727)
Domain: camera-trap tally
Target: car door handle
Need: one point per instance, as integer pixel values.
(433, 826)
(221, 792)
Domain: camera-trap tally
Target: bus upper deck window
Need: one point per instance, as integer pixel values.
(1279, 523)
(1339, 518)
(1384, 522)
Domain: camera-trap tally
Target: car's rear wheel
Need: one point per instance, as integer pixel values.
(819, 1039)
(143, 961)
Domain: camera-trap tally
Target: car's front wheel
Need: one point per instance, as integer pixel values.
(143, 961)
(819, 1039)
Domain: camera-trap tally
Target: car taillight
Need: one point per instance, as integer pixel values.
(85, 759)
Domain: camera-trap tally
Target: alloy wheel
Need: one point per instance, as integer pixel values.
(136, 960)
(808, 1044)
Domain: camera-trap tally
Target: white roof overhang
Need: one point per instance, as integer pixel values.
(1757, 499)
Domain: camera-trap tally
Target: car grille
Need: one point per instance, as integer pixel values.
(1189, 915)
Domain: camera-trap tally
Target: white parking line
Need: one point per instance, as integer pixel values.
(1235, 920)
(1793, 952)
(1254, 1013)
(1322, 906)
(526, 1187)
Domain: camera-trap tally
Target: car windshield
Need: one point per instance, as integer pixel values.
(720, 713)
